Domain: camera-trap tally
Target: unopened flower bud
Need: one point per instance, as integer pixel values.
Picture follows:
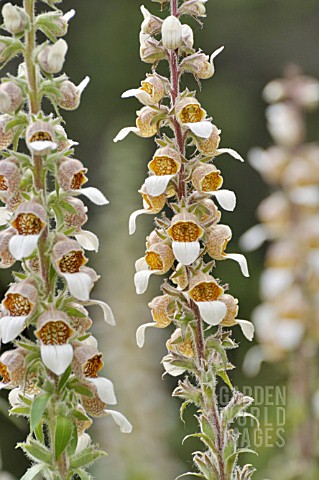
(6, 136)
(12, 368)
(151, 25)
(187, 38)
(159, 309)
(14, 18)
(56, 24)
(51, 58)
(71, 174)
(172, 33)
(196, 9)
(10, 97)
(70, 94)
(150, 49)
(154, 238)
(179, 345)
(9, 177)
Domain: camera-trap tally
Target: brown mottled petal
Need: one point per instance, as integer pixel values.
(144, 122)
(12, 368)
(87, 361)
(232, 310)
(21, 298)
(209, 146)
(10, 97)
(6, 137)
(218, 237)
(6, 259)
(71, 174)
(9, 176)
(78, 219)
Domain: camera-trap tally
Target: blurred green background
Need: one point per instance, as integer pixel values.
(260, 38)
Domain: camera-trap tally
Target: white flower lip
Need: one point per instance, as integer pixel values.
(107, 311)
(105, 390)
(230, 152)
(201, 129)
(11, 327)
(22, 246)
(186, 252)
(141, 280)
(212, 312)
(172, 369)
(226, 199)
(140, 333)
(155, 185)
(42, 147)
(93, 194)
(120, 420)
(87, 240)
(132, 220)
(247, 328)
(124, 133)
(241, 260)
(57, 358)
(79, 284)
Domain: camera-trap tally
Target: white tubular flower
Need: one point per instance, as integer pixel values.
(10, 97)
(206, 293)
(218, 237)
(172, 33)
(51, 58)
(69, 262)
(151, 91)
(18, 306)
(164, 166)
(158, 260)
(29, 221)
(185, 233)
(54, 333)
(190, 114)
(40, 138)
(12, 369)
(151, 205)
(230, 319)
(71, 94)
(14, 18)
(145, 127)
(207, 179)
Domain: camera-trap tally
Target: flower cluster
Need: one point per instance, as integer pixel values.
(185, 180)
(287, 320)
(53, 370)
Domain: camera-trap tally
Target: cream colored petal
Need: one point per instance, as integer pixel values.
(93, 194)
(202, 129)
(84, 441)
(68, 15)
(21, 246)
(186, 252)
(57, 358)
(140, 333)
(79, 284)
(156, 184)
(82, 86)
(241, 260)
(172, 369)
(253, 238)
(133, 92)
(107, 311)
(87, 240)
(120, 420)
(212, 312)
(132, 220)
(141, 280)
(42, 147)
(124, 133)
(230, 152)
(226, 199)
(141, 264)
(247, 328)
(105, 390)
(11, 327)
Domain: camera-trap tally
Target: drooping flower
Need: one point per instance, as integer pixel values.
(161, 313)
(164, 166)
(185, 232)
(151, 204)
(12, 368)
(146, 126)
(230, 318)
(206, 293)
(151, 91)
(206, 179)
(40, 138)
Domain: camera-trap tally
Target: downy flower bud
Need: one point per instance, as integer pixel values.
(171, 33)
(56, 24)
(207, 211)
(12, 369)
(54, 333)
(187, 39)
(10, 97)
(6, 136)
(230, 319)
(185, 232)
(194, 8)
(151, 24)
(180, 345)
(51, 58)
(14, 18)
(40, 138)
(71, 94)
(71, 174)
(150, 49)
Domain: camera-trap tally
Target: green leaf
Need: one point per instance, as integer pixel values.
(74, 312)
(183, 408)
(66, 206)
(58, 215)
(62, 435)
(33, 472)
(64, 378)
(87, 457)
(39, 432)
(83, 474)
(74, 441)
(39, 405)
(226, 379)
(36, 451)
(82, 390)
(192, 474)
(20, 411)
(80, 416)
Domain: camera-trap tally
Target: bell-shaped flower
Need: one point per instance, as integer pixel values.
(159, 259)
(69, 261)
(185, 233)
(180, 344)
(151, 24)
(9, 178)
(206, 179)
(160, 310)
(6, 135)
(18, 306)
(12, 368)
(230, 319)
(54, 332)
(6, 259)
(15, 19)
(151, 91)
(151, 204)
(29, 221)
(209, 146)
(206, 293)
(190, 114)
(40, 138)
(164, 166)
(171, 33)
(218, 237)
(70, 95)
(145, 125)
(51, 58)
(11, 97)
(87, 362)
(86, 239)
(95, 407)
